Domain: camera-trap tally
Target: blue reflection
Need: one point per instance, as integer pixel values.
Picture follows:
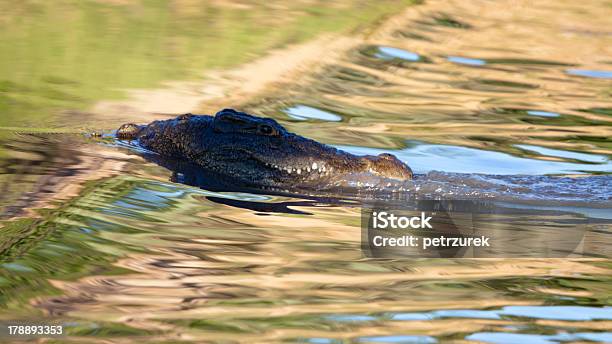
(321, 341)
(17, 267)
(303, 112)
(598, 159)
(567, 313)
(389, 53)
(466, 313)
(603, 337)
(511, 338)
(142, 198)
(467, 61)
(598, 74)
(350, 317)
(412, 316)
(542, 113)
(451, 313)
(398, 339)
(423, 157)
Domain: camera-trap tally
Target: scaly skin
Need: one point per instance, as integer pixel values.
(257, 151)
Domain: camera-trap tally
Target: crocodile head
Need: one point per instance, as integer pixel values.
(255, 150)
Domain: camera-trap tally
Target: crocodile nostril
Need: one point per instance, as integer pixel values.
(184, 117)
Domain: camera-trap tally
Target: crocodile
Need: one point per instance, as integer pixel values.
(257, 151)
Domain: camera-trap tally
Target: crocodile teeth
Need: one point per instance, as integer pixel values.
(299, 171)
(308, 169)
(314, 165)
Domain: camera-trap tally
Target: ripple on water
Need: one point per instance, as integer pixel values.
(151, 251)
(591, 158)
(568, 313)
(591, 73)
(304, 112)
(511, 338)
(467, 61)
(549, 118)
(424, 157)
(542, 113)
(398, 339)
(389, 53)
(561, 313)
(444, 19)
(320, 341)
(527, 61)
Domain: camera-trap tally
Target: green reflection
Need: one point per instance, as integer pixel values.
(59, 56)
(57, 246)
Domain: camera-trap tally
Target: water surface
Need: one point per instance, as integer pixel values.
(505, 100)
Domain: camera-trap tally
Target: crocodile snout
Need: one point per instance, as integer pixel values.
(128, 131)
(389, 166)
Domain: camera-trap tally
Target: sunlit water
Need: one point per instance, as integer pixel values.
(506, 101)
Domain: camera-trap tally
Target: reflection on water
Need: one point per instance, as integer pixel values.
(592, 158)
(472, 81)
(135, 255)
(467, 61)
(62, 57)
(502, 338)
(478, 97)
(600, 74)
(387, 53)
(424, 157)
(543, 113)
(302, 113)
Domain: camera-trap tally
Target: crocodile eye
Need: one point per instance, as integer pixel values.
(265, 129)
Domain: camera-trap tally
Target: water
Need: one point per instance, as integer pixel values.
(506, 100)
